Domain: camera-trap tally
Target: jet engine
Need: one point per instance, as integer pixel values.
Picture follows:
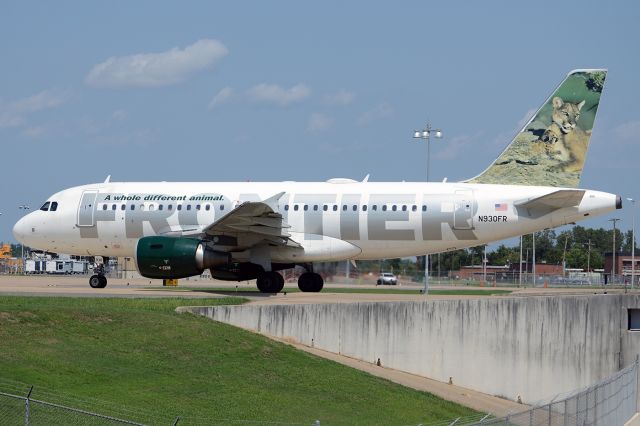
(172, 258)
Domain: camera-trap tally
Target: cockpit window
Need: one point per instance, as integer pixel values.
(54, 206)
(45, 207)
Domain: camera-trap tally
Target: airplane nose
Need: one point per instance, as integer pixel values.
(20, 230)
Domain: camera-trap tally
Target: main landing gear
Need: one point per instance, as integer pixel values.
(310, 282)
(98, 280)
(272, 282)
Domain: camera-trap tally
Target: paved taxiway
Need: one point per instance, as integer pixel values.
(78, 286)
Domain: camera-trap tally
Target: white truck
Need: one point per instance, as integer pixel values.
(59, 266)
(79, 267)
(34, 266)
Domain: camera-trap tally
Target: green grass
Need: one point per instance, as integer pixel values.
(138, 359)
(382, 290)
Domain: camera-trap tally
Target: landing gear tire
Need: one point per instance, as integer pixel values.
(98, 281)
(270, 282)
(310, 282)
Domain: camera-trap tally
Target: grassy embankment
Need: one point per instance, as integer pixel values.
(138, 359)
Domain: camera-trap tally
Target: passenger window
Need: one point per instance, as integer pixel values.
(197, 206)
(414, 208)
(45, 207)
(221, 207)
(424, 208)
(286, 208)
(188, 206)
(335, 207)
(325, 207)
(170, 207)
(355, 208)
(113, 207)
(54, 206)
(133, 207)
(364, 208)
(207, 207)
(315, 207)
(404, 208)
(122, 207)
(384, 207)
(104, 207)
(295, 207)
(375, 207)
(344, 207)
(179, 206)
(306, 207)
(141, 207)
(394, 208)
(151, 207)
(160, 206)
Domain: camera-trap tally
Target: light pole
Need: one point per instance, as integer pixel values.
(613, 263)
(22, 207)
(633, 240)
(520, 272)
(425, 134)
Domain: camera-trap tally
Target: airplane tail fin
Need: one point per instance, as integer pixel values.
(551, 148)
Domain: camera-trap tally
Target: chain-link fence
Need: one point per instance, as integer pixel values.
(15, 410)
(610, 402)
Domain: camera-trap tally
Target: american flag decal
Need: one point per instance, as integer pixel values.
(501, 207)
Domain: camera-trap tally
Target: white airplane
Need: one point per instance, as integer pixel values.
(243, 231)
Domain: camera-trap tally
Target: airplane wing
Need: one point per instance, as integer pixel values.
(550, 202)
(250, 223)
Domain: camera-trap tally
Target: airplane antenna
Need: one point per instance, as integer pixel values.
(108, 179)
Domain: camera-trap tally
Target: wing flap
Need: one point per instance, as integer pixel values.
(254, 222)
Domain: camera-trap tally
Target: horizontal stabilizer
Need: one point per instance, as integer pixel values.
(553, 201)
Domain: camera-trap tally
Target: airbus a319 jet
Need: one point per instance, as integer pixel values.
(243, 231)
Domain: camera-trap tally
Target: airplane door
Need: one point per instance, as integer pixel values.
(87, 208)
(463, 211)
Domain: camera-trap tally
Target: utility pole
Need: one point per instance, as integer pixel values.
(533, 266)
(613, 263)
(589, 244)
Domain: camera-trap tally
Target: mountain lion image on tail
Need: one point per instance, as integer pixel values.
(551, 148)
(565, 141)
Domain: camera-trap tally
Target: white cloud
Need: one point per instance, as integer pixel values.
(119, 116)
(276, 95)
(222, 97)
(156, 69)
(525, 118)
(455, 146)
(319, 122)
(504, 138)
(34, 131)
(382, 110)
(628, 130)
(342, 97)
(14, 114)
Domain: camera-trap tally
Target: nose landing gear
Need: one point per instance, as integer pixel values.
(98, 280)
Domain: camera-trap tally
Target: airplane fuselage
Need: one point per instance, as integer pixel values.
(332, 221)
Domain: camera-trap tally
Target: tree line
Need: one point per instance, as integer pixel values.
(579, 247)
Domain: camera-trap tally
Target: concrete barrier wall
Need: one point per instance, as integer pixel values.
(534, 347)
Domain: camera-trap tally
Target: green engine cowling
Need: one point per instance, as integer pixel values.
(172, 258)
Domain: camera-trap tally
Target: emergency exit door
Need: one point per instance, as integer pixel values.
(463, 210)
(86, 208)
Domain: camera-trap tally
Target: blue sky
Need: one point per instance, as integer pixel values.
(270, 91)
